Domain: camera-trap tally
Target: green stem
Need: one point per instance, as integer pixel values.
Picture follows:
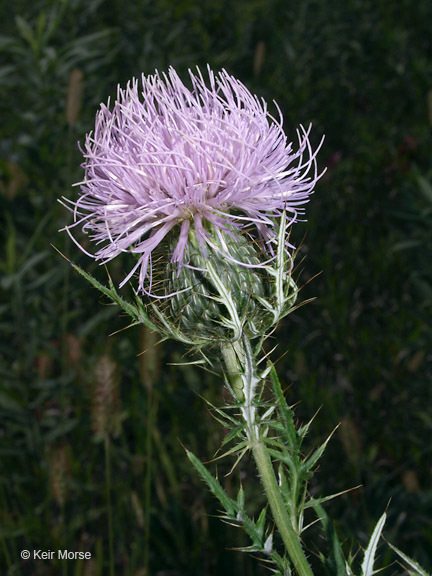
(278, 508)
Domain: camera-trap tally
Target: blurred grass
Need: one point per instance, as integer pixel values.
(361, 72)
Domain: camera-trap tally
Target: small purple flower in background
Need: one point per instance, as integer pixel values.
(166, 159)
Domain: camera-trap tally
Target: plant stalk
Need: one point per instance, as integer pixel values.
(243, 375)
(278, 508)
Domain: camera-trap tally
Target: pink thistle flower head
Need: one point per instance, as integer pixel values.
(168, 160)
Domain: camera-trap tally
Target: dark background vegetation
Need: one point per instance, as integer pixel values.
(361, 72)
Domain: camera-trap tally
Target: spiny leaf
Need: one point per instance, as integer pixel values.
(303, 430)
(225, 423)
(283, 564)
(138, 314)
(286, 416)
(240, 499)
(176, 334)
(214, 485)
(285, 458)
(234, 433)
(260, 524)
(276, 444)
(243, 446)
(369, 557)
(411, 563)
(310, 462)
(224, 418)
(239, 457)
(317, 501)
(249, 549)
(336, 560)
(254, 532)
(284, 488)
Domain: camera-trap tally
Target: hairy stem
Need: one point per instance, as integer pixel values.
(278, 508)
(243, 375)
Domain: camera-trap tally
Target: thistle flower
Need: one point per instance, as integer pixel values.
(168, 163)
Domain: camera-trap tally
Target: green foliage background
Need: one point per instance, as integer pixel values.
(361, 72)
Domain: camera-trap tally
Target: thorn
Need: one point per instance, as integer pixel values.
(62, 255)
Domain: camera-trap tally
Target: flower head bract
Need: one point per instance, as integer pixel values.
(169, 160)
